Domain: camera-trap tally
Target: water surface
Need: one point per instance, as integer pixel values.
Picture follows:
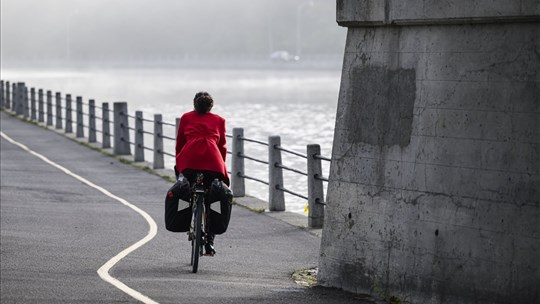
(298, 105)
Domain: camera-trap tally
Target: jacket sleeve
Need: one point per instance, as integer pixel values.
(222, 145)
(180, 136)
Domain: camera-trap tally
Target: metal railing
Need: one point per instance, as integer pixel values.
(276, 188)
(17, 98)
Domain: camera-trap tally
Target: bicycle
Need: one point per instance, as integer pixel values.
(197, 233)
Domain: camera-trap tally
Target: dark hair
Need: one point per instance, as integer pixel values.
(203, 102)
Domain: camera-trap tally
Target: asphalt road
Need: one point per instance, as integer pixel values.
(57, 231)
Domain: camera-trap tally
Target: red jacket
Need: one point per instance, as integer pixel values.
(200, 143)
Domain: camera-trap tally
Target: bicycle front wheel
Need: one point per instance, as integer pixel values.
(197, 242)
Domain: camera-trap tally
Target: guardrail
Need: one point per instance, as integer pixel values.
(16, 97)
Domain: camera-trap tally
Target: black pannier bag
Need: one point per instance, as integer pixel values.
(178, 220)
(220, 194)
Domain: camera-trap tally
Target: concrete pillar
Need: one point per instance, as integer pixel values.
(92, 121)
(58, 110)
(49, 109)
(106, 126)
(139, 137)
(19, 108)
(177, 124)
(435, 175)
(8, 95)
(238, 185)
(69, 114)
(25, 102)
(2, 98)
(80, 119)
(121, 131)
(14, 97)
(159, 162)
(41, 107)
(315, 187)
(33, 115)
(276, 201)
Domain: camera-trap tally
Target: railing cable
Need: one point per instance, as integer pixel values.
(166, 137)
(253, 140)
(167, 124)
(253, 179)
(252, 158)
(324, 179)
(291, 152)
(278, 187)
(290, 169)
(318, 156)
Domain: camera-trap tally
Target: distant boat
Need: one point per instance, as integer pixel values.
(283, 56)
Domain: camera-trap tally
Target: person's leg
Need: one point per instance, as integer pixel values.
(209, 245)
(210, 176)
(190, 175)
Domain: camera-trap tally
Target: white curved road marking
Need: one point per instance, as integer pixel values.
(103, 271)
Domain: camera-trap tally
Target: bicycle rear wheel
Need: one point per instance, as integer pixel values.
(192, 233)
(196, 243)
(192, 251)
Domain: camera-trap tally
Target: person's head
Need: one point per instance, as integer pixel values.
(203, 102)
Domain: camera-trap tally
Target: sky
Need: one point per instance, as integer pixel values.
(142, 30)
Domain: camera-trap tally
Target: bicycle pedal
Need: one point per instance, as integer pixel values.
(209, 254)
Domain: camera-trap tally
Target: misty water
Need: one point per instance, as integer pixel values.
(297, 104)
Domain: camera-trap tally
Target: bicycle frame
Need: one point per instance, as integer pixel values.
(198, 221)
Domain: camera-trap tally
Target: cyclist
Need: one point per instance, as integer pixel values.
(200, 147)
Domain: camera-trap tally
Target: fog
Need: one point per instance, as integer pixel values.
(69, 32)
(277, 61)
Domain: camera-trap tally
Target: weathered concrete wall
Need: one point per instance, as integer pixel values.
(435, 178)
(352, 13)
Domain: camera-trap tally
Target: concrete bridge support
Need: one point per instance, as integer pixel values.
(434, 192)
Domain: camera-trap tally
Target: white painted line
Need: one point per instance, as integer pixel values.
(103, 271)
